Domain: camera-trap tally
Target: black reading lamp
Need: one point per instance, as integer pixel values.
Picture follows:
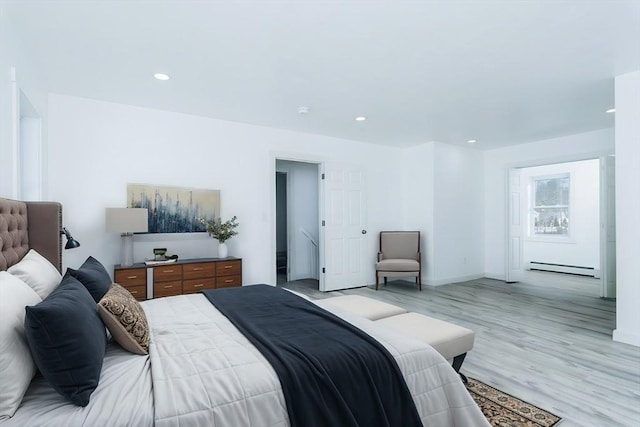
(71, 242)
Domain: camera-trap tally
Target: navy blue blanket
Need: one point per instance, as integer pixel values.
(332, 373)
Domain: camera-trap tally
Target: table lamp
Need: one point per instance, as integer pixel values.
(127, 221)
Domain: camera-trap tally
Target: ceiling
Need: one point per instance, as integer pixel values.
(501, 72)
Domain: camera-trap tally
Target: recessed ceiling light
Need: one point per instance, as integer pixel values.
(471, 141)
(161, 76)
(361, 119)
(303, 110)
(611, 110)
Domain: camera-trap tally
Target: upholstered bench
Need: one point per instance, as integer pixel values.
(451, 341)
(362, 306)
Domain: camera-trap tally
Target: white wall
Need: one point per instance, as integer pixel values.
(628, 208)
(496, 163)
(99, 147)
(27, 80)
(417, 193)
(458, 216)
(582, 246)
(303, 207)
(443, 191)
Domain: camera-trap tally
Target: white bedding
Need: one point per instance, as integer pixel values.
(205, 372)
(123, 397)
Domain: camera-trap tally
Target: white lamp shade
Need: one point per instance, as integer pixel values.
(127, 220)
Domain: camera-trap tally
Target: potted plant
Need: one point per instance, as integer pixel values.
(221, 231)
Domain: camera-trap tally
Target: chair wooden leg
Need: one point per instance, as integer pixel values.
(377, 280)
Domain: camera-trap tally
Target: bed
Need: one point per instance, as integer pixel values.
(200, 369)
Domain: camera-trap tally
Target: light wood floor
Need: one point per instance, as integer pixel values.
(547, 345)
(579, 285)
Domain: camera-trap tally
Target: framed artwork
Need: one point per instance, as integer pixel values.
(174, 209)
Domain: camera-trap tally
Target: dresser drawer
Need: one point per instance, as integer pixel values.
(196, 285)
(131, 277)
(228, 268)
(228, 281)
(165, 289)
(198, 270)
(138, 292)
(180, 277)
(167, 273)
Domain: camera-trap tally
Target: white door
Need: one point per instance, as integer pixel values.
(608, 226)
(515, 228)
(343, 237)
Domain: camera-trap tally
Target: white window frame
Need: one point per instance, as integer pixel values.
(560, 238)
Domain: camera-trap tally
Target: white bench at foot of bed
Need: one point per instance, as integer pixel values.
(362, 306)
(450, 340)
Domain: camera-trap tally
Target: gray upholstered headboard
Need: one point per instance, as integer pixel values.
(30, 225)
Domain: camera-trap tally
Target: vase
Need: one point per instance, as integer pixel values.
(223, 251)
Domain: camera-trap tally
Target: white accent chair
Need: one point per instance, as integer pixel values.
(399, 256)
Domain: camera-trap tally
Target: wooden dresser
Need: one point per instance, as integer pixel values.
(181, 277)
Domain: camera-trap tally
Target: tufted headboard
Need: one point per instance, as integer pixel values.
(30, 225)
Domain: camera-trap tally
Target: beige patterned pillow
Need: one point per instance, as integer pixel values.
(125, 319)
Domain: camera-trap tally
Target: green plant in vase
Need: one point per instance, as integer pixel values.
(221, 231)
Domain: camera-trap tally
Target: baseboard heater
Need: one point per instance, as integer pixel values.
(563, 268)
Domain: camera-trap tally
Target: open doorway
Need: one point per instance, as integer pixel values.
(559, 226)
(297, 222)
(562, 221)
(281, 228)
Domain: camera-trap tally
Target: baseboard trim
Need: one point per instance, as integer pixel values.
(564, 268)
(626, 337)
(440, 282)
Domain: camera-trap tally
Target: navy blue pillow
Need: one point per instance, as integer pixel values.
(94, 277)
(67, 340)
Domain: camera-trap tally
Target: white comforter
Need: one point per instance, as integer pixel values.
(123, 398)
(205, 372)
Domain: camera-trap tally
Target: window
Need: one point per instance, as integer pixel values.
(551, 205)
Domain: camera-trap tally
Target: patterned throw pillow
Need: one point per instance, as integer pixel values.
(124, 317)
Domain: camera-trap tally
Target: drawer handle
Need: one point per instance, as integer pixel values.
(199, 285)
(133, 292)
(168, 286)
(228, 281)
(167, 271)
(131, 277)
(197, 268)
(228, 266)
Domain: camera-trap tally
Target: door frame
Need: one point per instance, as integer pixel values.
(599, 155)
(291, 157)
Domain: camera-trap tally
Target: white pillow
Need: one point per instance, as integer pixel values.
(16, 365)
(37, 272)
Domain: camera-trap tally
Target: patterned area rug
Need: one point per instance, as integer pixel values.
(504, 410)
